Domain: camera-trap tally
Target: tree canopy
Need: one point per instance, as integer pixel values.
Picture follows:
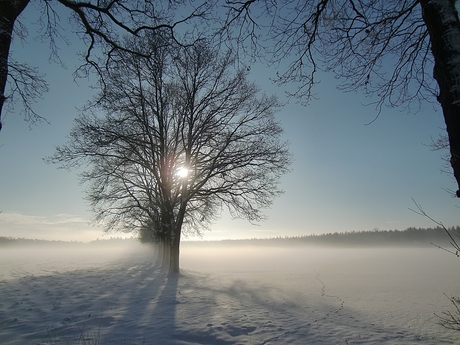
(102, 25)
(400, 53)
(183, 134)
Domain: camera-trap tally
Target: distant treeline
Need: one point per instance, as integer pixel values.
(409, 237)
(8, 241)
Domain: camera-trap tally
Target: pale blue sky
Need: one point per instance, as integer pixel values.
(346, 176)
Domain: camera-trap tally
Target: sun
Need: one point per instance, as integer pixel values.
(183, 172)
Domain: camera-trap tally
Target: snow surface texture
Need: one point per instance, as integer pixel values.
(227, 295)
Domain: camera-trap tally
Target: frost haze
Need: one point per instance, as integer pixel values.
(228, 295)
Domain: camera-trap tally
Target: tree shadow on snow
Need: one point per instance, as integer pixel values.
(124, 303)
(135, 302)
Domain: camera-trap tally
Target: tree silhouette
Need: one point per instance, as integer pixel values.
(181, 108)
(101, 24)
(401, 53)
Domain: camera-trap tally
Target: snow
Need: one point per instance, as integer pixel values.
(227, 295)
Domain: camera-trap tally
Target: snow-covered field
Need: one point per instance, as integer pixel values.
(227, 295)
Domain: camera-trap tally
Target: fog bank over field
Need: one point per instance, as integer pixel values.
(56, 257)
(256, 254)
(114, 292)
(288, 254)
(408, 237)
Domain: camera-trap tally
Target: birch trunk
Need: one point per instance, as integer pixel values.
(441, 19)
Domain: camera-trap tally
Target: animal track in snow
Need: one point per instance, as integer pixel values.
(324, 294)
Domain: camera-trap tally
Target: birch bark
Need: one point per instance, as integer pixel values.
(441, 19)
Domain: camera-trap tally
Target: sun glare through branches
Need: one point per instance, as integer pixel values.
(182, 172)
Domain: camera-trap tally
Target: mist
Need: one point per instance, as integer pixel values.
(228, 292)
(54, 257)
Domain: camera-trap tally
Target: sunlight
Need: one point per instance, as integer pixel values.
(183, 172)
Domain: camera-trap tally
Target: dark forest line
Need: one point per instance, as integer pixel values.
(409, 237)
(11, 241)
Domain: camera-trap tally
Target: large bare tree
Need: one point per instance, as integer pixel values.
(399, 52)
(184, 134)
(100, 23)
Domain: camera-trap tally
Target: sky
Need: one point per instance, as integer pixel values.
(346, 175)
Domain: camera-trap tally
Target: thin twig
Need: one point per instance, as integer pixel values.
(453, 242)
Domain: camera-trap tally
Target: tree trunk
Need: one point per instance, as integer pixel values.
(167, 221)
(175, 251)
(165, 261)
(9, 11)
(441, 19)
(159, 256)
(166, 254)
(175, 240)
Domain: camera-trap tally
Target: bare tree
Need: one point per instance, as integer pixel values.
(101, 24)
(447, 319)
(184, 135)
(451, 320)
(455, 247)
(400, 52)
